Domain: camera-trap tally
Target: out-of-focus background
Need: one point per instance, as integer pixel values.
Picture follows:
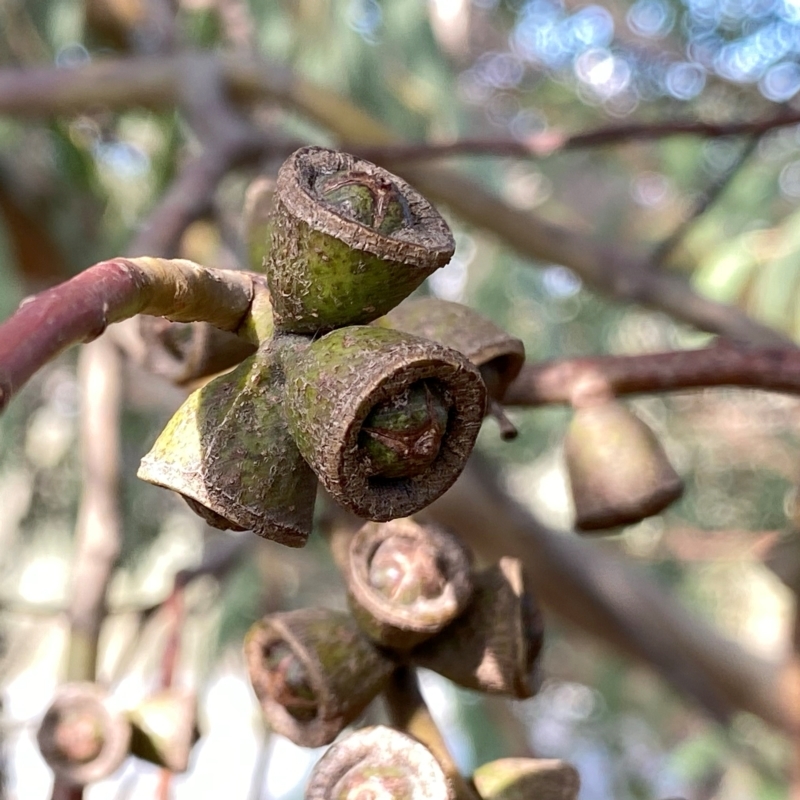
(78, 186)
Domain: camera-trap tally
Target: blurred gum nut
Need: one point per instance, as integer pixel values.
(618, 471)
(367, 409)
(499, 355)
(378, 763)
(494, 645)
(164, 728)
(348, 241)
(83, 737)
(313, 672)
(229, 452)
(407, 581)
(526, 779)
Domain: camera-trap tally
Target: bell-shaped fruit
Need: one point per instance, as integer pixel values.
(386, 420)
(313, 672)
(229, 452)
(348, 241)
(618, 470)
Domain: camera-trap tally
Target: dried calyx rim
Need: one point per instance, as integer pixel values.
(313, 672)
(386, 420)
(407, 581)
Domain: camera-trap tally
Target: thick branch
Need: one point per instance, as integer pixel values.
(751, 368)
(81, 309)
(157, 83)
(621, 274)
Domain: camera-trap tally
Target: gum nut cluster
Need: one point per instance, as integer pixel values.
(383, 417)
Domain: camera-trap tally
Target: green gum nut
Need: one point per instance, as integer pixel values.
(347, 241)
(499, 355)
(313, 672)
(229, 452)
(618, 471)
(379, 763)
(353, 407)
(525, 778)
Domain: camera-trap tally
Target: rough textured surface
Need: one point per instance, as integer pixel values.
(618, 471)
(460, 327)
(345, 670)
(91, 700)
(379, 763)
(164, 728)
(527, 779)
(326, 269)
(402, 625)
(494, 645)
(228, 449)
(333, 385)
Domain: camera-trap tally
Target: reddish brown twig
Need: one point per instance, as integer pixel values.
(555, 141)
(724, 365)
(81, 309)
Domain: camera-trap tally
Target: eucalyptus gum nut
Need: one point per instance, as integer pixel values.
(344, 670)
(499, 354)
(378, 763)
(433, 575)
(618, 471)
(333, 385)
(326, 269)
(164, 728)
(494, 645)
(527, 779)
(83, 711)
(228, 449)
